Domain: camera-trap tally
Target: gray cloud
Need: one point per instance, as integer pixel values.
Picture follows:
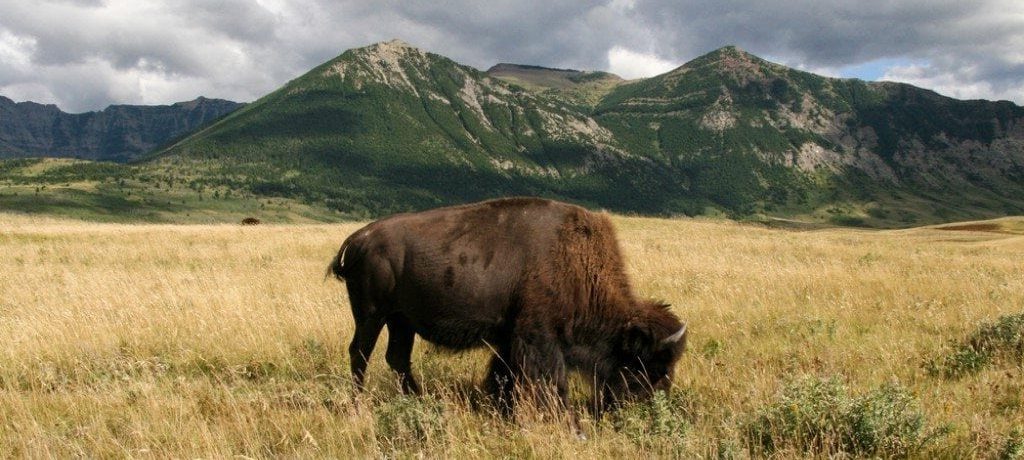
(85, 54)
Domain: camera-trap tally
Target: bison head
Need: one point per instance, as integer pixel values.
(649, 346)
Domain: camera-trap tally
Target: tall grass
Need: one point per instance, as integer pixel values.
(221, 340)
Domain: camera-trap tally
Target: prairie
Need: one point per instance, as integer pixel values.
(139, 340)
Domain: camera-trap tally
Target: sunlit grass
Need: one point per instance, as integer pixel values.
(216, 340)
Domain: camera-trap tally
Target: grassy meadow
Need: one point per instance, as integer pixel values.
(147, 340)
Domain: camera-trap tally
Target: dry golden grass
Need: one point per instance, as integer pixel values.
(221, 340)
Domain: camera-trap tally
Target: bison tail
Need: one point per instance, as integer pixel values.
(337, 266)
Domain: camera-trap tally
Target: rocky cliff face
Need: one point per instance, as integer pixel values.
(118, 133)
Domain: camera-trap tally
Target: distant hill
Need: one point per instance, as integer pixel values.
(390, 127)
(585, 88)
(117, 133)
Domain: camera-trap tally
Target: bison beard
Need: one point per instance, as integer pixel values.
(540, 282)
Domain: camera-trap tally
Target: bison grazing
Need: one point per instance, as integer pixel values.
(539, 282)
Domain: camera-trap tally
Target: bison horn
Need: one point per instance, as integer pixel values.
(674, 337)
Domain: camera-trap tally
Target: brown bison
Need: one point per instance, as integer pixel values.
(250, 221)
(539, 282)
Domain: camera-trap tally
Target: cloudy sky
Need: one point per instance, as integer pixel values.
(86, 54)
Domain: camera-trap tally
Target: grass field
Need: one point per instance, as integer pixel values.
(117, 193)
(221, 340)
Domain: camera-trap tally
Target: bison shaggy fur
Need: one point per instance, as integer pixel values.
(540, 283)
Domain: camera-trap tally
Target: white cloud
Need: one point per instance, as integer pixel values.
(962, 84)
(85, 54)
(622, 5)
(15, 51)
(630, 64)
(35, 92)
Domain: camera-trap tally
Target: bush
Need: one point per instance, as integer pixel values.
(1013, 446)
(1001, 341)
(660, 421)
(847, 220)
(819, 416)
(407, 421)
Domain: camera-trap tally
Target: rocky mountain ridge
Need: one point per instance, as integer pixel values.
(118, 133)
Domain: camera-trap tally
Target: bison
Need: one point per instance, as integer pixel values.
(539, 282)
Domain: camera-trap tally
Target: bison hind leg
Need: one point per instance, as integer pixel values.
(401, 337)
(363, 342)
(368, 325)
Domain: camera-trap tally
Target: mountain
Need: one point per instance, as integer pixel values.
(389, 128)
(117, 133)
(748, 132)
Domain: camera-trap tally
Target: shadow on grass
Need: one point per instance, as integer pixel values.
(96, 206)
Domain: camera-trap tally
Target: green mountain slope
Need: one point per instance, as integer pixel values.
(757, 135)
(390, 127)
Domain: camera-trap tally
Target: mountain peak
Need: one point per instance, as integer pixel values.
(387, 62)
(731, 60)
(390, 47)
(391, 52)
(728, 53)
(732, 50)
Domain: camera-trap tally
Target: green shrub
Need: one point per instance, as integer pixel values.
(1000, 341)
(406, 421)
(658, 422)
(847, 220)
(820, 416)
(1013, 446)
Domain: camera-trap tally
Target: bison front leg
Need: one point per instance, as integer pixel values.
(544, 378)
(500, 382)
(400, 341)
(540, 367)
